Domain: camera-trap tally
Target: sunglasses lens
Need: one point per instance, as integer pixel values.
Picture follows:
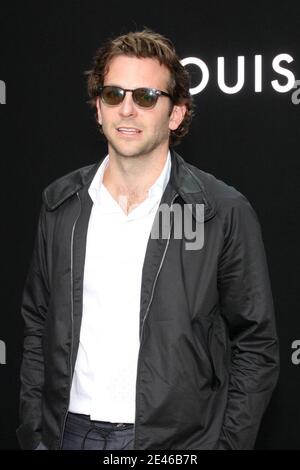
(112, 95)
(145, 97)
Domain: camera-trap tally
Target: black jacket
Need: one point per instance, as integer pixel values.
(208, 359)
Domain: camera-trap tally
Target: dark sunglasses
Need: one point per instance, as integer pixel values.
(144, 97)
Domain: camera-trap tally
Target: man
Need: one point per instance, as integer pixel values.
(134, 341)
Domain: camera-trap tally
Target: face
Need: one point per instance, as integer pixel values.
(153, 125)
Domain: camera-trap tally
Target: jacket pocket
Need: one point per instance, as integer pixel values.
(203, 332)
(220, 349)
(216, 380)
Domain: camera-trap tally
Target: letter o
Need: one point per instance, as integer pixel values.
(205, 73)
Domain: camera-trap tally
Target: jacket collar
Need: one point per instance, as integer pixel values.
(183, 179)
(186, 180)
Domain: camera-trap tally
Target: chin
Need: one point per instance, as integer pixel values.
(127, 151)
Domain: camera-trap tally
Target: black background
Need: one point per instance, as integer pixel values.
(249, 140)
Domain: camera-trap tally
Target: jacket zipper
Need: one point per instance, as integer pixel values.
(72, 319)
(148, 308)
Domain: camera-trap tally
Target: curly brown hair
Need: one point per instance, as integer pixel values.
(145, 44)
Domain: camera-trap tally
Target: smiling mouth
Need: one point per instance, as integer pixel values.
(128, 131)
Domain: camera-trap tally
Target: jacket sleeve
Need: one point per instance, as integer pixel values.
(34, 309)
(247, 306)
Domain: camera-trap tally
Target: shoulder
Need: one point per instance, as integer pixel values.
(224, 195)
(231, 207)
(65, 186)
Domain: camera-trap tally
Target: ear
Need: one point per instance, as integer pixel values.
(99, 111)
(177, 116)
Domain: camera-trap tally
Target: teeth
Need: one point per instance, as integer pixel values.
(122, 129)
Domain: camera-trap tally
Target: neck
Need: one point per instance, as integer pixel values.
(132, 177)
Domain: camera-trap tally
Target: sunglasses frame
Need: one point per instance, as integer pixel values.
(157, 93)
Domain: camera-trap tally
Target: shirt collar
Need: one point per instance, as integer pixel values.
(156, 189)
(97, 180)
(159, 185)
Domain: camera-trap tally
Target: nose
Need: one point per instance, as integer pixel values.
(127, 107)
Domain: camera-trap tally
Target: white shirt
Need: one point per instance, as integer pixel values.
(104, 381)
